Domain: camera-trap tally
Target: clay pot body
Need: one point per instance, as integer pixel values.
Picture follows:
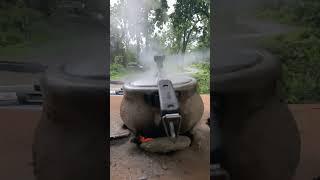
(260, 138)
(70, 140)
(141, 114)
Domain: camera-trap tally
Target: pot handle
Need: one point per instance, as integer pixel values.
(169, 108)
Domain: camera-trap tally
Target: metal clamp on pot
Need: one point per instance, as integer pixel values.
(169, 105)
(169, 108)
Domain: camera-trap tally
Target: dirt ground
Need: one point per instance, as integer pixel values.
(130, 162)
(308, 120)
(18, 123)
(16, 133)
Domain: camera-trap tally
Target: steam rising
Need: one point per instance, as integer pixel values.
(131, 12)
(174, 62)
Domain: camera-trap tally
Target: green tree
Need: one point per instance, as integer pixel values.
(15, 22)
(190, 23)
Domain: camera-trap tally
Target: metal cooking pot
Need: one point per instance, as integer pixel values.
(70, 140)
(143, 102)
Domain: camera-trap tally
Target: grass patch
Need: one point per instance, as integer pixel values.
(25, 47)
(118, 72)
(20, 28)
(203, 77)
(15, 50)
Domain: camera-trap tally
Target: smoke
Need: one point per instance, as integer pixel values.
(173, 62)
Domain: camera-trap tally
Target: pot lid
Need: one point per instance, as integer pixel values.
(87, 70)
(82, 79)
(152, 81)
(241, 71)
(236, 61)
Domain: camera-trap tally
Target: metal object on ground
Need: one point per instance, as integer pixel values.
(117, 130)
(24, 94)
(70, 139)
(20, 95)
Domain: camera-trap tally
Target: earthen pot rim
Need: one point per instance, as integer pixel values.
(179, 82)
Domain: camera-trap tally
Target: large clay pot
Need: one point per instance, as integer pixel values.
(260, 139)
(140, 110)
(70, 140)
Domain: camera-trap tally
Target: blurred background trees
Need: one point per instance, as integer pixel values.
(299, 50)
(16, 20)
(169, 27)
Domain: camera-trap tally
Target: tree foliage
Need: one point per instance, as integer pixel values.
(190, 23)
(299, 51)
(15, 22)
(203, 77)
